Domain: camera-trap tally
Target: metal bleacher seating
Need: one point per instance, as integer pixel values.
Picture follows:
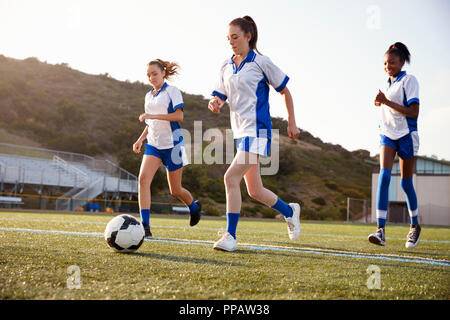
(86, 176)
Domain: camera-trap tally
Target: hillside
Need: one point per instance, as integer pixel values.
(54, 106)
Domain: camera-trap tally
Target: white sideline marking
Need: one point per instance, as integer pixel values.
(218, 229)
(259, 247)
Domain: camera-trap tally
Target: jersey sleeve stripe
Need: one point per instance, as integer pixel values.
(180, 105)
(413, 100)
(283, 84)
(220, 95)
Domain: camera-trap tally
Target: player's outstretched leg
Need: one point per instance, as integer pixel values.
(257, 191)
(232, 179)
(149, 166)
(382, 205)
(176, 190)
(384, 180)
(411, 199)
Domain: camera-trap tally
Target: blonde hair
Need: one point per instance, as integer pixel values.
(171, 68)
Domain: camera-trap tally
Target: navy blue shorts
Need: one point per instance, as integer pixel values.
(406, 147)
(172, 159)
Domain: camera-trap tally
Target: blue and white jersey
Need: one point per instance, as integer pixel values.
(247, 90)
(404, 91)
(163, 134)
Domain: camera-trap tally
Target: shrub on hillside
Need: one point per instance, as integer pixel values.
(319, 200)
(332, 186)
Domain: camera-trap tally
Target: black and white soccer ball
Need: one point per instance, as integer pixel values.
(124, 233)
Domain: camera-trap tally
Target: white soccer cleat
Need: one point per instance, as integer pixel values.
(226, 243)
(293, 223)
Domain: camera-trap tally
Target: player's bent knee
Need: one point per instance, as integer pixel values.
(255, 193)
(145, 180)
(176, 192)
(231, 180)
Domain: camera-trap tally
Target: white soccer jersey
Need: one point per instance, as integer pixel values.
(247, 90)
(163, 134)
(404, 91)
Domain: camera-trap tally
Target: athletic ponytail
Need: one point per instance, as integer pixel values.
(171, 68)
(248, 25)
(400, 50)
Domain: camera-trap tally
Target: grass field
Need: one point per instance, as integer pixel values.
(329, 261)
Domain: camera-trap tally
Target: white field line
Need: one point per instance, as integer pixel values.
(259, 247)
(217, 229)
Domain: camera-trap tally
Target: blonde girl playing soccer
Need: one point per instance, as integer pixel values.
(163, 114)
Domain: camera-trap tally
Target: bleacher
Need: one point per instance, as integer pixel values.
(10, 202)
(86, 176)
(40, 171)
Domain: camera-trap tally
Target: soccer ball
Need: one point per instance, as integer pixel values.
(124, 233)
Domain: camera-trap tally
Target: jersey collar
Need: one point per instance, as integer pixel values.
(160, 89)
(398, 78)
(250, 57)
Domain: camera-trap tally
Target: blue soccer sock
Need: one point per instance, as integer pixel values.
(383, 196)
(193, 207)
(411, 198)
(283, 208)
(145, 216)
(232, 221)
(381, 222)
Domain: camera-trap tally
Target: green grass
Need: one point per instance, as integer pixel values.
(34, 266)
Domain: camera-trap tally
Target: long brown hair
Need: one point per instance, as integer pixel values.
(171, 68)
(247, 24)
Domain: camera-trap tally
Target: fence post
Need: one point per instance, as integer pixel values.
(348, 209)
(366, 210)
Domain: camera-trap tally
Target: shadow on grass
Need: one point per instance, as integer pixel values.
(274, 253)
(303, 246)
(188, 259)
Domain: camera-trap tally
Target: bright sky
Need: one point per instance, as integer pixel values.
(332, 51)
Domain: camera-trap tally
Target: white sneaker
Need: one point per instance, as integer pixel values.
(226, 243)
(293, 223)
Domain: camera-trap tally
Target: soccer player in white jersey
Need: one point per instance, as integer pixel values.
(244, 82)
(399, 111)
(163, 114)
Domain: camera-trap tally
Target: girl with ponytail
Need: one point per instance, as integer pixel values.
(244, 82)
(399, 112)
(163, 114)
